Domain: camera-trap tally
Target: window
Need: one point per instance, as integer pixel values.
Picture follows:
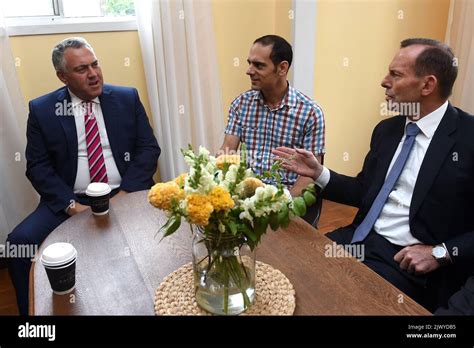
(30, 17)
(23, 8)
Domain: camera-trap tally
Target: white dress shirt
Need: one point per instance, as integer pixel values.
(393, 221)
(83, 175)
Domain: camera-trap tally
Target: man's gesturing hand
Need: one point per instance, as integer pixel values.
(300, 161)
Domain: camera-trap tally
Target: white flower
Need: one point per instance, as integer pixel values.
(246, 213)
(206, 181)
(210, 167)
(264, 202)
(204, 151)
(230, 176)
(270, 191)
(189, 160)
(265, 192)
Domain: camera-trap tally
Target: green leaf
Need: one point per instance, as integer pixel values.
(274, 221)
(232, 227)
(309, 198)
(283, 216)
(167, 224)
(299, 206)
(260, 225)
(243, 155)
(171, 226)
(248, 232)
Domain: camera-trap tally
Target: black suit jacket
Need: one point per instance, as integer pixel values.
(442, 206)
(51, 150)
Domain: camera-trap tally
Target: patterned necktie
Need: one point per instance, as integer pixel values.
(97, 170)
(365, 227)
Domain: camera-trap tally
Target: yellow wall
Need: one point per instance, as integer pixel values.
(368, 34)
(118, 52)
(237, 24)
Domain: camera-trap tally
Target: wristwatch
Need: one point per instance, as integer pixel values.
(440, 254)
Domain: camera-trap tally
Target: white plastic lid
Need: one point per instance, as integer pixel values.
(58, 254)
(96, 189)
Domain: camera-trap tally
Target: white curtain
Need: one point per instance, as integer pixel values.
(17, 197)
(180, 61)
(460, 36)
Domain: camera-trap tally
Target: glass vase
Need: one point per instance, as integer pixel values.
(224, 272)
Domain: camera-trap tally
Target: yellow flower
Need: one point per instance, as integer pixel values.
(180, 179)
(223, 159)
(221, 199)
(250, 185)
(199, 209)
(161, 195)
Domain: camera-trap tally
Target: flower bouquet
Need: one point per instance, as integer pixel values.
(230, 209)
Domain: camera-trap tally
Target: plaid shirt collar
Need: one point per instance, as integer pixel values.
(288, 100)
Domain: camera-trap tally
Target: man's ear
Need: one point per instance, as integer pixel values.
(430, 83)
(283, 68)
(61, 76)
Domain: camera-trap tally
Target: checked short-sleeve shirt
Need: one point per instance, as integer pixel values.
(297, 122)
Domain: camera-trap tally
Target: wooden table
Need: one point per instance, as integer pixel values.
(120, 263)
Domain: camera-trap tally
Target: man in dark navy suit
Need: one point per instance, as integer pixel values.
(84, 132)
(415, 192)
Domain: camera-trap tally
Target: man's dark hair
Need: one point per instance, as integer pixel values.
(438, 60)
(281, 49)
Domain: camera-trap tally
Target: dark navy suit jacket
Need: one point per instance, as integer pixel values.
(51, 151)
(442, 206)
(462, 302)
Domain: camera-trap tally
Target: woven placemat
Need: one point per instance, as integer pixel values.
(274, 294)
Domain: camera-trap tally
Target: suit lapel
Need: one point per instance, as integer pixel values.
(386, 150)
(69, 126)
(434, 158)
(389, 146)
(110, 112)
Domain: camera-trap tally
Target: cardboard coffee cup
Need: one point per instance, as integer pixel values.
(59, 261)
(99, 194)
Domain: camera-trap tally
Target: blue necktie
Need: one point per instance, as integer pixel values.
(365, 227)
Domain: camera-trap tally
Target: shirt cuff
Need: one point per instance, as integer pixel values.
(323, 178)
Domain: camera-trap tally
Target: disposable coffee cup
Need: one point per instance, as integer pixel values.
(99, 194)
(59, 261)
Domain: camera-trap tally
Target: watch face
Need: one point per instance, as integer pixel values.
(439, 252)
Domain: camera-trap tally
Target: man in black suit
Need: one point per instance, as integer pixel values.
(415, 192)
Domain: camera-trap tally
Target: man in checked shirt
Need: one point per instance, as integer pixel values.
(273, 113)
